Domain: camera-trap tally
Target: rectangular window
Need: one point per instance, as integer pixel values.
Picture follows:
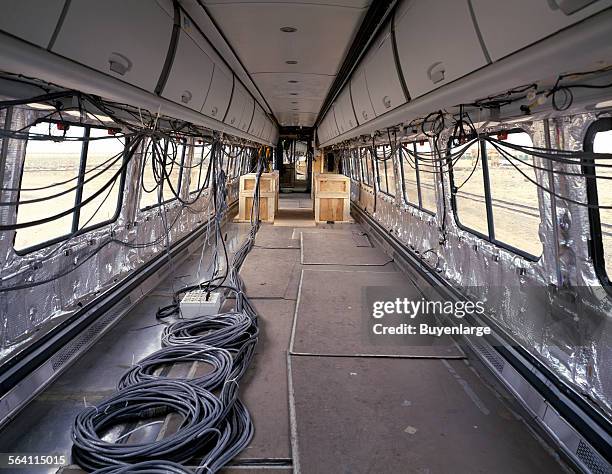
(233, 156)
(198, 173)
(346, 165)
(409, 166)
(365, 179)
(244, 161)
(367, 172)
(161, 172)
(469, 189)
(384, 165)
(514, 196)
(174, 159)
(62, 172)
(149, 187)
(250, 158)
(427, 176)
(240, 161)
(227, 158)
(599, 140)
(355, 165)
(494, 194)
(418, 174)
(102, 208)
(238, 151)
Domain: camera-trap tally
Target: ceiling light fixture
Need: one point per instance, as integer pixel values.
(288, 29)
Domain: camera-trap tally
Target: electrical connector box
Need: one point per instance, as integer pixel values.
(200, 303)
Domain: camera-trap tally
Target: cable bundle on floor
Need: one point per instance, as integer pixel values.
(200, 410)
(219, 359)
(146, 467)
(227, 330)
(214, 428)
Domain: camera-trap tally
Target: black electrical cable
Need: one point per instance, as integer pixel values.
(78, 186)
(112, 159)
(586, 158)
(81, 204)
(145, 370)
(228, 330)
(86, 258)
(146, 467)
(239, 430)
(214, 429)
(551, 192)
(201, 412)
(197, 339)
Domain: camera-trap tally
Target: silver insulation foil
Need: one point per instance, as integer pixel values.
(554, 307)
(121, 248)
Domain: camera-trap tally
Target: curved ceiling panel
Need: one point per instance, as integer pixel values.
(303, 42)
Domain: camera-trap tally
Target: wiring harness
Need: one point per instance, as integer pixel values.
(214, 428)
(158, 143)
(219, 359)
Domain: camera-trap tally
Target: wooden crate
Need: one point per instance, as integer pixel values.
(276, 174)
(268, 196)
(332, 198)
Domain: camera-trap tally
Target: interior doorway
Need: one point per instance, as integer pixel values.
(296, 166)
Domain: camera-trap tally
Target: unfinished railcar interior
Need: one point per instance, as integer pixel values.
(323, 236)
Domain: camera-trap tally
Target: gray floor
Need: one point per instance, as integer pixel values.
(343, 248)
(364, 415)
(264, 386)
(322, 413)
(334, 302)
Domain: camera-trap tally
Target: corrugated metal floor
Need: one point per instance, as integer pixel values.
(323, 413)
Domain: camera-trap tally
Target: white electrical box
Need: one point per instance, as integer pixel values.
(198, 303)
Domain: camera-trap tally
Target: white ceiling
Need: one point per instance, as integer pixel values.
(325, 30)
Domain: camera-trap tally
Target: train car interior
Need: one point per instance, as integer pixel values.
(306, 236)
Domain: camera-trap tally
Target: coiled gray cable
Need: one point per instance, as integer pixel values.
(220, 360)
(226, 330)
(202, 414)
(146, 467)
(214, 429)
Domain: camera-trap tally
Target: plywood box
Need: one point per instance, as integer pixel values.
(332, 198)
(276, 174)
(268, 196)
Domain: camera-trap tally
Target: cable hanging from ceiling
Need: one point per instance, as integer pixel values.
(215, 427)
(162, 162)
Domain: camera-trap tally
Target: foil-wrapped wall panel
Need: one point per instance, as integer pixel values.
(555, 307)
(82, 267)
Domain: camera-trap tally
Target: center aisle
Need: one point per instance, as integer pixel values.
(322, 396)
(355, 407)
